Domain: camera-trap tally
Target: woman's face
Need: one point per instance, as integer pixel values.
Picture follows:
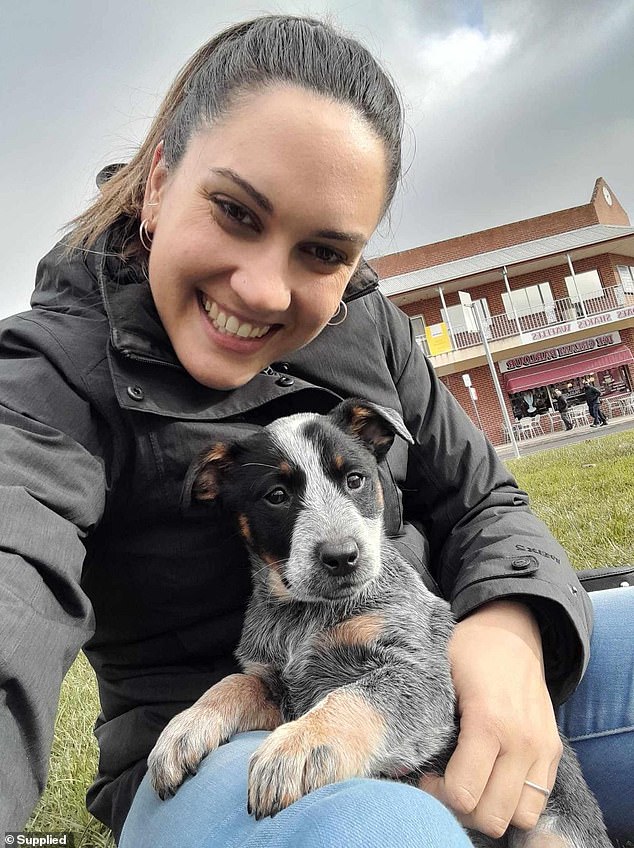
(258, 230)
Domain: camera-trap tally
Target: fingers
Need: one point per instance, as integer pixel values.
(468, 771)
(484, 783)
(532, 800)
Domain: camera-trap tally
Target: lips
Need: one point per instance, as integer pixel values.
(224, 322)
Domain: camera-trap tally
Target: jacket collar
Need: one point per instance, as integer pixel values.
(135, 327)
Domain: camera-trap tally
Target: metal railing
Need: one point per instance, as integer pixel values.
(561, 311)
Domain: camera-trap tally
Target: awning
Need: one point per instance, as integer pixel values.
(565, 369)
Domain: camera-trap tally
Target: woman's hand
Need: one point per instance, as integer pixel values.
(508, 732)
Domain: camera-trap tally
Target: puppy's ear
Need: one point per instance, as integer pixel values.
(211, 468)
(375, 425)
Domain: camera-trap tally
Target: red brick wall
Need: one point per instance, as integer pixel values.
(487, 403)
(597, 211)
(484, 241)
(605, 265)
(607, 214)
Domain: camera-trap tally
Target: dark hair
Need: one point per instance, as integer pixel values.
(258, 53)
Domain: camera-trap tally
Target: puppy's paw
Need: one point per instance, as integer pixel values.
(290, 763)
(181, 746)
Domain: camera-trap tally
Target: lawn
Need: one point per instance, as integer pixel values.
(582, 492)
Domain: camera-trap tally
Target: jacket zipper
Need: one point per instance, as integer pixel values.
(148, 359)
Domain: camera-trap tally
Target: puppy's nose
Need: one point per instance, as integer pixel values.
(339, 558)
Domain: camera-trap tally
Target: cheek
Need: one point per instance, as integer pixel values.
(317, 305)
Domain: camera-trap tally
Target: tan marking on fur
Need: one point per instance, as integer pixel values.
(358, 422)
(255, 668)
(243, 701)
(360, 630)
(358, 416)
(339, 462)
(276, 585)
(337, 739)
(285, 468)
(205, 485)
(245, 530)
(344, 722)
(218, 452)
(379, 496)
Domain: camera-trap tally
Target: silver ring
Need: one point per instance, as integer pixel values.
(536, 786)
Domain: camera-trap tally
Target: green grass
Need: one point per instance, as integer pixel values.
(582, 492)
(73, 763)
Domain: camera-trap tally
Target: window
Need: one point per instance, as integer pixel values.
(461, 317)
(588, 285)
(529, 301)
(418, 324)
(626, 274)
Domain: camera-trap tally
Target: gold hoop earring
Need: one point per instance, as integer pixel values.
(145, 236)
(343, 304)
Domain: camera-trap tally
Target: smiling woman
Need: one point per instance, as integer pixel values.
(193, 304)
(245, 267)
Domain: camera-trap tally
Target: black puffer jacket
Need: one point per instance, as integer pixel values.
(100, 545)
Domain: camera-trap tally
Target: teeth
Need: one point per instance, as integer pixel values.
(230, 324)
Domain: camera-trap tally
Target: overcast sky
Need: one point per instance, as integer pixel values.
(514, 107)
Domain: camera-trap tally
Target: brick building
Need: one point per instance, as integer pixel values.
(555, 298)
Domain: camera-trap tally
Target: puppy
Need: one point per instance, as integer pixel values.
(344, 651)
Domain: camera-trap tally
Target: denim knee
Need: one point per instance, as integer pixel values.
(209, 811)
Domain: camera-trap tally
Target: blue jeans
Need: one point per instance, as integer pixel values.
(209, 811)
(597, 415)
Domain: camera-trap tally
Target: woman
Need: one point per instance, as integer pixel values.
(217, 284)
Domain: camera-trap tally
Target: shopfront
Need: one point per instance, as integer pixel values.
(531, 379)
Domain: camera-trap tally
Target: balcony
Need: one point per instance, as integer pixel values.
(558, 318)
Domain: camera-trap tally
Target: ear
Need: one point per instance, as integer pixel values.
(154, 184)
(213, 465)
(375, 425)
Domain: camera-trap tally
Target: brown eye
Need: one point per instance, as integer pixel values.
(354, 481)
(276, 496)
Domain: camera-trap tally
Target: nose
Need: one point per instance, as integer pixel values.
(264, 285)
(339, 558)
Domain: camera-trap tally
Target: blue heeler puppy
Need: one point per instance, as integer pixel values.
(344, 651)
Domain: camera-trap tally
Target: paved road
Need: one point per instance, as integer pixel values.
(572, 437)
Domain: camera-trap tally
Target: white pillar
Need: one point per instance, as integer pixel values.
(508, 291)
(574, 280)
(448, 322)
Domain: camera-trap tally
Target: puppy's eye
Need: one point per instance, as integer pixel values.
(276, 496)
(355, 481)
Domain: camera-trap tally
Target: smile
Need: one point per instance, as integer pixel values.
(229, 324)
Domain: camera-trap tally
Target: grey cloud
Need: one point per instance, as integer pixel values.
(525, 134)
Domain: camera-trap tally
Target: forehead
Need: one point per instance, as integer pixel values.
(296, 147)
(313, 444)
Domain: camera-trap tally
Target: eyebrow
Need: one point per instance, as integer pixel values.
(264, 203)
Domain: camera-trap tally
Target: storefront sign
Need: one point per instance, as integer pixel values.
(561, 352)
(578, 324)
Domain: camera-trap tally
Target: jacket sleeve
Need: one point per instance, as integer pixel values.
(52, 492)
(485, 542)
